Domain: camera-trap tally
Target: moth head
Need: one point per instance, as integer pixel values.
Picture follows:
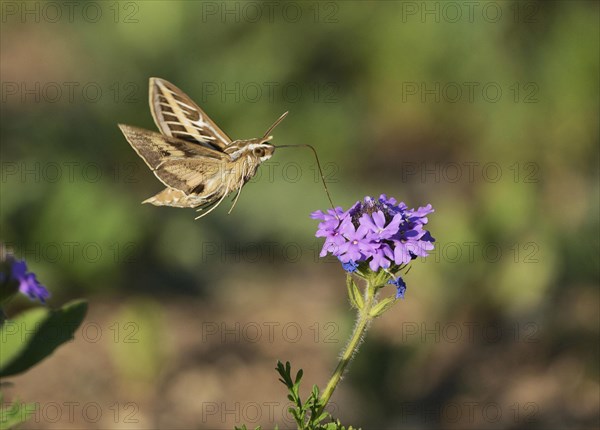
(262, 150)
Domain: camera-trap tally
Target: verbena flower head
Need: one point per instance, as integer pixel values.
(376, 234)
(15, 272)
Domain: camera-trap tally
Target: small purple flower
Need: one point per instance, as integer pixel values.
(402, 253)
(28, 283)
(400, 287)
(355, 247)
(350, 266)
(376, 224)
(379, 260)
(329, 228)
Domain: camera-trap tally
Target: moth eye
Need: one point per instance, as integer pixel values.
(259, 152)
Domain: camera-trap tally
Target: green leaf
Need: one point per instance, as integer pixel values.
(298, 377)
(382, 306)
(315, 391)
(35, 334)
(13, 414)
(354, 295)
(285, 373)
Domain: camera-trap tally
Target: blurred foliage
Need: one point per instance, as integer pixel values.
(354, 72)
(139, 354)
(13, 415)
(34, 335)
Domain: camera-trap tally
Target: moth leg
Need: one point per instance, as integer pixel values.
(218, 203)
(237, 196)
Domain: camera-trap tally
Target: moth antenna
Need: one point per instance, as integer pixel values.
(318, 167)
(275, 124)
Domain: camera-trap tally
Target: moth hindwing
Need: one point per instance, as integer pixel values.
(197, 161)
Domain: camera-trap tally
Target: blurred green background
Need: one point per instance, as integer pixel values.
(487, 110)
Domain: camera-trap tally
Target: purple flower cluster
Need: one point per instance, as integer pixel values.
(28, 283)
(381, 232)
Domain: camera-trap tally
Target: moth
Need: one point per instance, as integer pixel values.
(197, 162)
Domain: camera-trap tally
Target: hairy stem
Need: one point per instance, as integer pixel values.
(362, 324)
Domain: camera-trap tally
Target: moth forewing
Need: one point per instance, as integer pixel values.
(176, 114)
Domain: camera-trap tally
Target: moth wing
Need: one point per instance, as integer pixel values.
(154, 148)
(176, 115)
(158, 150)
(192, 176)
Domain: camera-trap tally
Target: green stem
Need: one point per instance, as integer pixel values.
(360, 329)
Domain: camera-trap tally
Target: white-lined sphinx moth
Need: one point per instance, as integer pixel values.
(199, 164)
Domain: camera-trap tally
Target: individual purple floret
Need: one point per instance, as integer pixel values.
(28, 283)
